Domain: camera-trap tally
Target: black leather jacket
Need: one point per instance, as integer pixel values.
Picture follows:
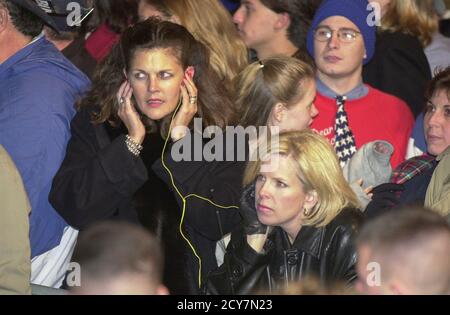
(327, 253)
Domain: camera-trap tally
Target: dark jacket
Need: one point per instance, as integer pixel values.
(98, 177)
(78, 55)
(101, 180)
(217, 181)
(413, 194)
(327, 253)
(399, 67)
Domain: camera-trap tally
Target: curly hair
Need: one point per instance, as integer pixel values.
(214, 105)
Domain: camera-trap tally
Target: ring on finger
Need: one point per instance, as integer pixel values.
(193, 99)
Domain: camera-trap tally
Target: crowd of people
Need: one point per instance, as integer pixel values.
(224, 147)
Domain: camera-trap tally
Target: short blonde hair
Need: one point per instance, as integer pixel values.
(414, 17)
(263, 84)
(212, 25)
(318, 170)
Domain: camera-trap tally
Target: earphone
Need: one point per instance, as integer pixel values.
(184, 198)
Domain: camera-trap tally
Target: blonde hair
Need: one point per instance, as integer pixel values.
(318, 170)
(265, 83)
(414, 17)
(212, 25)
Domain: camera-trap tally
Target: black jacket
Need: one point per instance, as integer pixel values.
(217, 181)
(327, 253)
(399, 67)
(100, 179)
(76, 52)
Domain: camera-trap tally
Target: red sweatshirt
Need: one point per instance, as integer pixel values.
(376, 116)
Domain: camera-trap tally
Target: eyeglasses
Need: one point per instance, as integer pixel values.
(345, 35)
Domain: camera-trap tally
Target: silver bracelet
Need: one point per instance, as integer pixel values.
(133, 146)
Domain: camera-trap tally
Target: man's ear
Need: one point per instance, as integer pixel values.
(283, 21)
(4, 18)
(311, 199)
(277, 114)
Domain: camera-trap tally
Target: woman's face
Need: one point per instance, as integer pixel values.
(156, 76)
(279, 194)
(300, 115)
(437, 123)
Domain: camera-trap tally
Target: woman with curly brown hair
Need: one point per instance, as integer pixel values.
(158, 75)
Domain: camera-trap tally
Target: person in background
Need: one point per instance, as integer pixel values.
(274, 27)
(156, 79)
(410, 181)
(399, 66)
(39, 88)
(70, 39)
(300, 219)
(215, 30)
(404, 252)
(438, 56)
(15, 263)
(352, 113)
(110, 266)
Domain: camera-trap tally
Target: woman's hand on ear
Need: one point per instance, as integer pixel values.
(187, 110)
(128, 114)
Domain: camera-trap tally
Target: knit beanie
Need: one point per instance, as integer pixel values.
(356, 11)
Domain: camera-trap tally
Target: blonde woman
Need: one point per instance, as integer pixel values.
(399, 66)
(211, 24)
(299, 219)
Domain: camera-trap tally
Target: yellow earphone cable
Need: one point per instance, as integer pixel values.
(183, 199)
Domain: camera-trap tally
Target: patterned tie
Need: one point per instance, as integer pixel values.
(344, 141)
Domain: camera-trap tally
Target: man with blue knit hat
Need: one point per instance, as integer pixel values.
(39, 88)
(341, 40)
